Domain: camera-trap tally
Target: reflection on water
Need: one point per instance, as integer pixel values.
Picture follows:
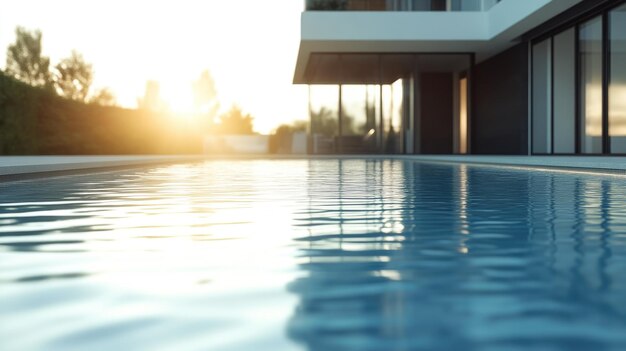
(317, 255)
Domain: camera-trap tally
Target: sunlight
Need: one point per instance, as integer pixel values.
(617, 110)
(593, 110)
(229, 38)
(184, 227)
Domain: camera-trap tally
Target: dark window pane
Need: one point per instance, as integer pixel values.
(591, 86)
(542, 73)
(617, 88)
(565, 92)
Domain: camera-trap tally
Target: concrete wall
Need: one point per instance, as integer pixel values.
(499, 122)
(237, 144)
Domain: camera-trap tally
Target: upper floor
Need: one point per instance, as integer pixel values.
(400, 5)
(481, 27)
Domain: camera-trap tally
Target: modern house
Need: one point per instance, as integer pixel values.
(465, 76)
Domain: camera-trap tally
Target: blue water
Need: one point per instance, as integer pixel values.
(314, 255)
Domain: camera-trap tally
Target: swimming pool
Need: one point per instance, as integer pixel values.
(314, 254)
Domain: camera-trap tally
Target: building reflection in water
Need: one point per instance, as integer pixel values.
(401, 255)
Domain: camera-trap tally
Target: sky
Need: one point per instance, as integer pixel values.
(249, 47)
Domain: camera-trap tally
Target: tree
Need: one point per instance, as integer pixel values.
(235, 122)
(288, 129)
(281, 141)
(151, 100)
(324, 122)
(103, 97)
(73, 77)
(204, 92)
(24, 60)
(205, 100)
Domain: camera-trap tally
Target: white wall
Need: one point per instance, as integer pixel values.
(238, 144)
(396, 26)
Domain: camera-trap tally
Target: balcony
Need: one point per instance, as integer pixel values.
(400, 5)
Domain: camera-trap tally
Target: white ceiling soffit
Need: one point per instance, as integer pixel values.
(483, 33)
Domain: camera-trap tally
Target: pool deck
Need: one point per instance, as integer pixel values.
(27, 166)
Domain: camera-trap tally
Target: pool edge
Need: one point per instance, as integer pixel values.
(28, 167)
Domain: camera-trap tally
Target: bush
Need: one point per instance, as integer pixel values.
(37, 121)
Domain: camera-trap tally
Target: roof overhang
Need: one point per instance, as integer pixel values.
(482, 33)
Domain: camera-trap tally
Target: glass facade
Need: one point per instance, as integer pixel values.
(393, 125)
(358, 119)
(389, 103)
(579, 87)
(324, 117)
(542, 124)
(590, 56)
(564, 99)
(400, 5)
(353, 118)
(617, 80)
(462, 138)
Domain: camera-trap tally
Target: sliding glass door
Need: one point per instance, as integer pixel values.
(542, 97)
(564, 95)
(590, 56)
(579, 87)
(617, 80)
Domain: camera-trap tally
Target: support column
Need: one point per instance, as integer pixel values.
(470, 101)
(340, 120)
(311, 148)
(381, 130)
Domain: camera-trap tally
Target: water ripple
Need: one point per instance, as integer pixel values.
(317, 255)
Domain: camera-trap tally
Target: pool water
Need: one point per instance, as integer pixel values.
(314, 255)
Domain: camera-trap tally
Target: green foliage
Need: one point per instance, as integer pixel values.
(281, 139)
(34, 120)
(73, 77)
(234, 122)
(151, 100)
(103, 97)
(24, 60)
(324, 122)
(205, 100)
(204, 92)
(18, 116)
(37, 121)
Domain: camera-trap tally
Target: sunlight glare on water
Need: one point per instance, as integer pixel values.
(314, 254)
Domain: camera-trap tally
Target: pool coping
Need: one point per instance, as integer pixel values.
(28, 167)
(590, 164)
(22, 167)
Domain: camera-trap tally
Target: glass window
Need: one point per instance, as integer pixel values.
(465, 5)
(420, 5)
(323, 105)
(463, 113)
(387, 113)
(354, 100)
(542, 124)
(429, 5)
(591, 86)
(393, 119)
(617, 87)
(565, 92)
